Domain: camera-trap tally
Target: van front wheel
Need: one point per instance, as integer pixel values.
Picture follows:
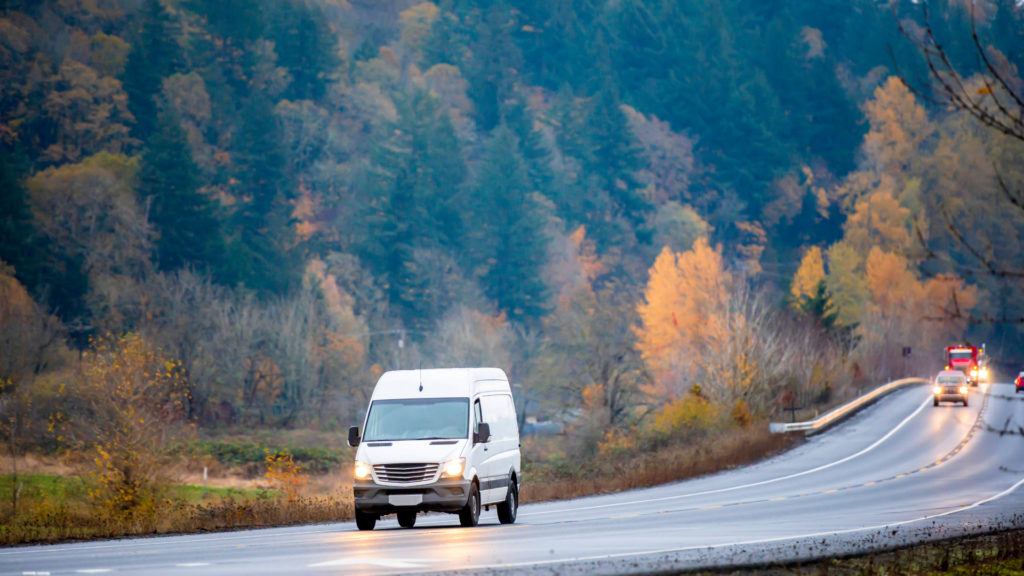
(469, 516)
(508, 509)
(365, 521)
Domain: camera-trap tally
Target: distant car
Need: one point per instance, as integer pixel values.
(1018, 384)
(950, 386)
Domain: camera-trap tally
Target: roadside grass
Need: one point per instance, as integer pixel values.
(999, 554)
(550, 474)
(58, 508)
(55, 507)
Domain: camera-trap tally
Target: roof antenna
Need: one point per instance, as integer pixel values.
(421, 375)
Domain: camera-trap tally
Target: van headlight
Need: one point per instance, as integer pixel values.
(974, 371)
(984, 372)
(963, 390)
(361, 470)
(453, 468)
(937, 390)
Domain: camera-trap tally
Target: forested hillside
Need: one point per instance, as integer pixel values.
(627, 204)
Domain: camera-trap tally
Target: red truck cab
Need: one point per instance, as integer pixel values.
(965, 359)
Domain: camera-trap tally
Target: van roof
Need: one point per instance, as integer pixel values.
(440, 383)
(957, 373)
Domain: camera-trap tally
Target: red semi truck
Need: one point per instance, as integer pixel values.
(968, 360)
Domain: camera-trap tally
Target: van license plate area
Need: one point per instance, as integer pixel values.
(405, 499)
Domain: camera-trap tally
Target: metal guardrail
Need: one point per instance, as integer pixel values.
(841, 413)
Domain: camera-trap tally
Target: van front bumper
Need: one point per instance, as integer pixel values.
(445, 495)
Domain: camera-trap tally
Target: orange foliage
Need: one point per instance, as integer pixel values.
(682, 311)
(898, 126)
(878, 219)
(285, 475)
(808, 276)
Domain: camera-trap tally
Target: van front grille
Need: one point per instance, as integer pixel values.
(405, 473)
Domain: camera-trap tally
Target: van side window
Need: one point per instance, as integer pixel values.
(502, 416)
(477, 416)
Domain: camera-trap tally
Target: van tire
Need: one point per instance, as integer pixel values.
(365, 520)
(469, 516)
(935, 402)
(508, 509)
(965, 402)
(407, 519)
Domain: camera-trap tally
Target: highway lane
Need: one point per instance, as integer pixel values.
(900, 471)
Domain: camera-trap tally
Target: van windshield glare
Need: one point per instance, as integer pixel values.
(417, 419)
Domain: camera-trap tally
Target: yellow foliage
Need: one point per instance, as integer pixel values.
(284, 474)
(683, 310)
(890, 282)
(741, 413)
(616, 444)
(878, 220)
(898, 127)
(685, 414)
(593, 398)
(847, 288)
(808, 276)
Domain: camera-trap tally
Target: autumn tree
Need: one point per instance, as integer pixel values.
(125, 408)
(682, 315)
(88, 112)
(30, 345)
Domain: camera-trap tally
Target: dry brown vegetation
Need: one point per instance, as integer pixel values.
(543, 481)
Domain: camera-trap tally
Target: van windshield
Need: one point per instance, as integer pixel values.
(417, 419)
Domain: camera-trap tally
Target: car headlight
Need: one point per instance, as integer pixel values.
(937, 390)
(963, 390)
(454, 468)
(361, 470)
(974, 371)
(984, 372)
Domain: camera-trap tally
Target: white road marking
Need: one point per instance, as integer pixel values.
(743, 486)
(750, 542)
(380, 562)
(192, 564)
(94, 571)
(35, 574)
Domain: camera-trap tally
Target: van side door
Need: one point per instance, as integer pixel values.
(480, 454)
(503, 450)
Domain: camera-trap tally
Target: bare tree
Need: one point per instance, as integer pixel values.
(995, 98)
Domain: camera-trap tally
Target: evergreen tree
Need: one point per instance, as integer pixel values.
(261, 249)
(155, 55)
(189, 230)
(508, 242)
(493, 64)
(535, 153)
(43, 268)
(416, 172)
(304, 45)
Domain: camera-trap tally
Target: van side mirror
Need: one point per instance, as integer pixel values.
(353, 436)
(483, 433)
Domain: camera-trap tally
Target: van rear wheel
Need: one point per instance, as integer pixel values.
(469, 516)
(508, 509)
(407, 519)
(365, 521)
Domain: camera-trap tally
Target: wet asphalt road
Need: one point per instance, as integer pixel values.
(898, 472)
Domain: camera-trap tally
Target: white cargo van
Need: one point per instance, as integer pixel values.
(437, 440)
